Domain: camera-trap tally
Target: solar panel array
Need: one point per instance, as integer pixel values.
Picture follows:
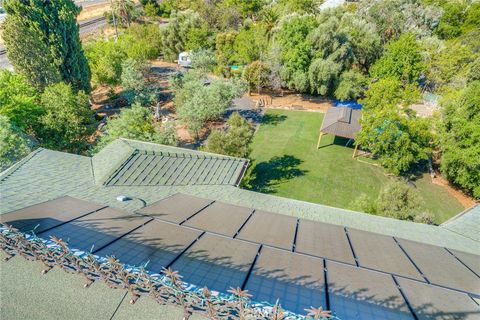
(145, 168)
(356, 274)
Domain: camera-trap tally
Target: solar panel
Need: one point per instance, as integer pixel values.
(381, 253)
(298, 281)
(220, 218)
(359, 294)
(440, 267)
(176, 208)
(48, 214)
(271, 229)
(429, 302)
(470, 260)
(323, 240)
(97, 229)
(157, 243)
(216, 262)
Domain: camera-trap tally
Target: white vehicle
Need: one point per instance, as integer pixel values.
(184, 59)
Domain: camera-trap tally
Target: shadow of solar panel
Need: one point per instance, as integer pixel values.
(470, 260)
(381, 253)
(220, 218)
(157, 243)
(440, 267)
(97, 229)
(296, 280)
(176, 208)
(361, 294)
(48, 214)
(216, 262)
(271, 229)
(323, 240)
(429, 302)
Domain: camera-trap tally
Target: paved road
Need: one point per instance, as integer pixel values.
(85, 27)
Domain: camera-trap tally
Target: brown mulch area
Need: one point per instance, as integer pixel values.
(464, 199)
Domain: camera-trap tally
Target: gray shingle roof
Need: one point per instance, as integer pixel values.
(342, 122)
(46, 175)
(130, 163)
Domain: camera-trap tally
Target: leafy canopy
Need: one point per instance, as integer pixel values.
(43, 42)
(19, 101)
(136, 123)
(402, 60)
(235, 141)
(68, 120)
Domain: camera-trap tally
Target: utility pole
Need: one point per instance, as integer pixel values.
(114, 20)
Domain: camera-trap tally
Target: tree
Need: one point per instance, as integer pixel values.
(43, 42)
(196, 103)
(133, 82)
(123, 11)
(68, 120)
(175, 35)
(19, 101)
(351, 85)
(460, 143)
(323, 75)
(14, 145)
(136, 123)
(250, 43)
(363, 39)
(224, 48)
(235, 141)
(105, 60)
(203, 60)
(152, 9)
(257, 75)
(390, 130)
(402, 60)
(295, 49)
(142, 42)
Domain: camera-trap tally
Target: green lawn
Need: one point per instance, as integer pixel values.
(287, 163)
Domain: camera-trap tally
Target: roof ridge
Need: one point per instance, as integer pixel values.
(180, 149)
(459, 215)
(17, 165)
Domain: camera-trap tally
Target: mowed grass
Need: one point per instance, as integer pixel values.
(288, 164)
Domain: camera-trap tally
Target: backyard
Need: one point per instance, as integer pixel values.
(287, 164)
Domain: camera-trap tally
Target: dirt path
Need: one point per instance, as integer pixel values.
(465, 200)
(292, 101)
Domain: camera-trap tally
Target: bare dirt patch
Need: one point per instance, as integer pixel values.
(93, 11)
(293, 101)
(464, 199)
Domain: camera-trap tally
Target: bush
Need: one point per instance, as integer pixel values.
(398, 200)
(235, 141)
(136, 123)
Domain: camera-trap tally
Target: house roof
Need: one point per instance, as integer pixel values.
(342, 121)
(46, 175)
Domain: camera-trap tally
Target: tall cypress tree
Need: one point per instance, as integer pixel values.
(43, 42)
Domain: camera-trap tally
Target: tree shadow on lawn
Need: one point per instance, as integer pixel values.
(273, 119)
(265, 176)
